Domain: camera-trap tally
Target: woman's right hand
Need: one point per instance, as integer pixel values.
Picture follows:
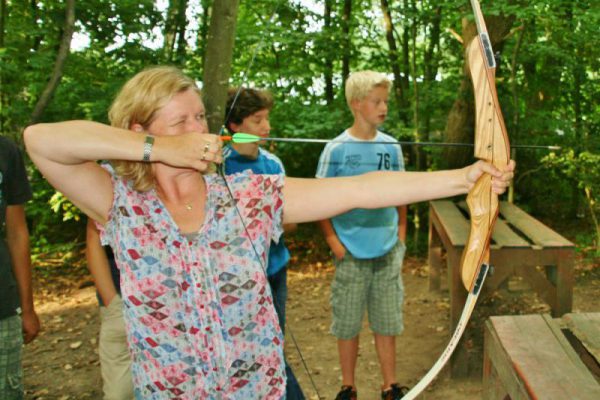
(189, 150)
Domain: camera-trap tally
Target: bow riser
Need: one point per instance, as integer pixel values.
(491, 144)
(491, 138)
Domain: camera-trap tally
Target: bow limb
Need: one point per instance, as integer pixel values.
(491, 145)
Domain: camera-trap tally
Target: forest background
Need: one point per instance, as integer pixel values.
(67, 59)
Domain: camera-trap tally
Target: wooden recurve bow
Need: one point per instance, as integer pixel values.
(491, 145)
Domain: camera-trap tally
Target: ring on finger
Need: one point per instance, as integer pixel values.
(206, 147)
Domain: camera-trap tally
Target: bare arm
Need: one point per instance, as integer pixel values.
(332, 239)
(402, 223)
(66, 153)
(98, 264)
(318, 199)
(289, 228)
(17, 238)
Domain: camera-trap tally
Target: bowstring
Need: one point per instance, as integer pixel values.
(221, 172)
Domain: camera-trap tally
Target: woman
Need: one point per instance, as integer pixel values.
(199, 316)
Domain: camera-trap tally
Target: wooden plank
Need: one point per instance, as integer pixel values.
(555, 328)
(503, 235)
(586, 327)
(500, 368)
(546, 366)
(536, 231)
(454, 224)
(493, 387)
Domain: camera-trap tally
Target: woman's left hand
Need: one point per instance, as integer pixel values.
(189, 150)
(501, 178)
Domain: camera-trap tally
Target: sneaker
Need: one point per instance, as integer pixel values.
(346, 393)
(395, 392)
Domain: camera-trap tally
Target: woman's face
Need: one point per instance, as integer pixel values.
(183, 114)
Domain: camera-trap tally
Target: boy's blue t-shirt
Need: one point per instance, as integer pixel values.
(365, 233)
(265, 163)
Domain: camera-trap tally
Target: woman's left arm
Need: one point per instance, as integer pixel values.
(316, 199)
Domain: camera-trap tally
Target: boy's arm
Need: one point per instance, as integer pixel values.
(98, 264)
(402, 223)
(290, 228)
(17, 238)
(336, 246)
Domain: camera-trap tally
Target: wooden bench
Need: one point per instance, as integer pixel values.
(520, 245)
(537, 357)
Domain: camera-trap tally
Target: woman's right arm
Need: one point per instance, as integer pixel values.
(66, 154)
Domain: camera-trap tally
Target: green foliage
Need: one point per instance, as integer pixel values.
(547, 81)
(583, 171)
(54, 222)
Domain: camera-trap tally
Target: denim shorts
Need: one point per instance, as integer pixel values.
(11, 344)
(374, 285)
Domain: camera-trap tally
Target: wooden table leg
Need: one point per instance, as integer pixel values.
(434, 257)
(564, 283)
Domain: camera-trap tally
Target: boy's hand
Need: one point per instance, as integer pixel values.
(500, 177)
(31, 326)
(338, 249)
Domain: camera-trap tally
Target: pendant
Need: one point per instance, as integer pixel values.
(188, 207)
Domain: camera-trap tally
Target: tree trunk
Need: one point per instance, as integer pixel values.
(181, 28)
(346, 41)
(37, 39)
(405, 53)
(460, 126)
(579, 76)
(61, 58)
(3, 96)
(394, 56)
(219, 54)
(3, 14)
(328, 29)
(174, 31)
(430, 66)
(203, 30)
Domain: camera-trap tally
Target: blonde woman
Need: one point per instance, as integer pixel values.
(198, 311)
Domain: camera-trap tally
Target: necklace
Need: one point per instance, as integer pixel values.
(188, 206)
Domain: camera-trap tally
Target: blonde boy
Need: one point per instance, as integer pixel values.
(367, 245)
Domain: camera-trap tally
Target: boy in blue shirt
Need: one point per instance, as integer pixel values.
(250, 114)
(368, 245)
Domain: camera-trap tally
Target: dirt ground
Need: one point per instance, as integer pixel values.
(62, 363)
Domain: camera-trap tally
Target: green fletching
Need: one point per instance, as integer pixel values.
(241, 137)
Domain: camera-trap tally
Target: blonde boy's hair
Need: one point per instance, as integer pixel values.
(137, 103)
(359, 84)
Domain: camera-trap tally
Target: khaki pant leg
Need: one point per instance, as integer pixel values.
(115, 362)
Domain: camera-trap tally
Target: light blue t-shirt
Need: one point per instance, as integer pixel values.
(265, 163)
(364, 233)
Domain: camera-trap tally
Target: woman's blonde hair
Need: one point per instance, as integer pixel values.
(137, 103)
(360, 83)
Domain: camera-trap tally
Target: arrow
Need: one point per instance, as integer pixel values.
(241, 137)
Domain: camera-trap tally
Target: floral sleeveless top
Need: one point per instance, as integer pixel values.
(199, 314)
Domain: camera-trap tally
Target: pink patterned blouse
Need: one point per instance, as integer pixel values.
(199, 313)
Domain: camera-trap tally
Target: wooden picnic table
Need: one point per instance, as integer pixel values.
(520, 245)
(538, 357)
